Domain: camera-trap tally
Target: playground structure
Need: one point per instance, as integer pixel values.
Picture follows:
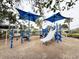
(53, 34)
(47, 34)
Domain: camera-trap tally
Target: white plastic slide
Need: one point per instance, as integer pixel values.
(49, 36)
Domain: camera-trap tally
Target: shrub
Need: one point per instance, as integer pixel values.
(75, 35)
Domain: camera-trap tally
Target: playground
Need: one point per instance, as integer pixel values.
(67, 49)
(39, 29)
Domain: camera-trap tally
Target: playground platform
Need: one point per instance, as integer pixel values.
(67, 49)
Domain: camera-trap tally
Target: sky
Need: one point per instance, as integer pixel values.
(72, 13)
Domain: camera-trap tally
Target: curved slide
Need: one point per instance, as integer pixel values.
(49, 36)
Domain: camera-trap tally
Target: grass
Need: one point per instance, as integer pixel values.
(75, 35)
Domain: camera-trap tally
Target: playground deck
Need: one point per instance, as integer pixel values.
(67, 49)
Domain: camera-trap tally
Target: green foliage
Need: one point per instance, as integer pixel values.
(35, 32)
(64, 26)
(39, 22)
(4, 13)
(75, 30)
(49, 3)
(75, 35)
(68, 20)
(2, 34)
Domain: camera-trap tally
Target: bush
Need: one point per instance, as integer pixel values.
(75, 35)
(35, 32)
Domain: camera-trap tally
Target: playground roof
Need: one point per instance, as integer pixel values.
(27, 15)
(56, 17)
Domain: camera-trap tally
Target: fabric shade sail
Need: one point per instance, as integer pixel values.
(27, 15)
(56, 17)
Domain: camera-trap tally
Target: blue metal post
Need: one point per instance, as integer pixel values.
(28, 35)
(58, 34)
(60, 27)
(22, 35)
(11, 38)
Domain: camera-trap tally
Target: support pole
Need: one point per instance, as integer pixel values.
(22, 35)
(11, 39)
(58, 34)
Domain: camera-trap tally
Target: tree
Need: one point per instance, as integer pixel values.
(39, 22)
(65, 26)
(68, 23)
(5, 13)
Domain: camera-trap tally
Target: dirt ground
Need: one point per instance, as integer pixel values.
(67, 49)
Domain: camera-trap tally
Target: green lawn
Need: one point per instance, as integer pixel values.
(75, 35)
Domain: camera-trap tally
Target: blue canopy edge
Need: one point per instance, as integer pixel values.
(27, 15)
(56, 17)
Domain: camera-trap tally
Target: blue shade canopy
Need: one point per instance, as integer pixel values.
(27, 15)
(56, 17)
